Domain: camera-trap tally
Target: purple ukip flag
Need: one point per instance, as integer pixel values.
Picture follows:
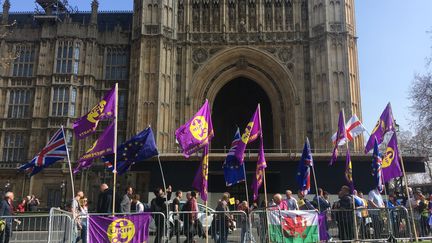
(200, 182)
(104, 145)
(349, 171)
(197, 132)
(132, 228)
(391, 161)
(252, 132)
(383, 125)
(105, 109)
(340, 135)
(260, 170)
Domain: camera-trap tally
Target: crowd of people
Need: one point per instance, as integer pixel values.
(368, 215)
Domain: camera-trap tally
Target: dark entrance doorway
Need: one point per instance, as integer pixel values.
(234, 106)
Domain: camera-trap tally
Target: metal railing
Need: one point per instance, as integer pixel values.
(336, 225)
(62, 226)
(25, 228)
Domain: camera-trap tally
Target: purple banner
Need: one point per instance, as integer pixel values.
(260, 170)
(391, 160)
(201, 178)
(105, 109)
(197, 132)
(340, 136)
(383, 125)
(101, 147)
(322, 223)
(131, 228)
(251, 133)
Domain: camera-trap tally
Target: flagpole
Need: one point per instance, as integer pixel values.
(316, 188)
(264, 170)
(69, 163)
(115, 149)
(408, 198)
(353, 201)
(245, 182)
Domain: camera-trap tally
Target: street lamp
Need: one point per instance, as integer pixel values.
(63, 191)
(7, 186)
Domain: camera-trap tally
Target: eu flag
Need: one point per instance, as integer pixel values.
(140, 147)
(304, 168)
(233, 170)
(377, 167)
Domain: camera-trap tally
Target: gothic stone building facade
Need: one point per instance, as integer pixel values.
(298, 58)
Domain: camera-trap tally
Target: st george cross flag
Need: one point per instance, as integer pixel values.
(340, 135)
(54, 151)
(233, 170)
(140, 147)
(104, 145)
(252, 132)
(127, 228)
(348, 171)
(105, 109)
(259, 172)
(383, 125)
(377, 168)
(197, 132)
(391, 161)
(353, 127)
(304, 168)
(200, 181)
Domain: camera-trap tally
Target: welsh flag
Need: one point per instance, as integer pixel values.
(293, 226)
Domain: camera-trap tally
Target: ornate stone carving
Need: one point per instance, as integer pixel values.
(200, 55)
(242, 63)
(285, 54)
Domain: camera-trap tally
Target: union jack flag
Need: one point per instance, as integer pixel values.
(54, 151)
(377, 168)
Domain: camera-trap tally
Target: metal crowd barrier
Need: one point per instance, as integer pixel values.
(189, 226)
(25, 228)
(62, 227)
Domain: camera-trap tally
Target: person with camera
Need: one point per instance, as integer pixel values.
(32, 203)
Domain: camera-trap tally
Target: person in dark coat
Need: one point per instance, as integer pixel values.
(7, 209)
(344, 215)
(104, 204)
(158, 204)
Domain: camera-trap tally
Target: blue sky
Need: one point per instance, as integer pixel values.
(392, 46)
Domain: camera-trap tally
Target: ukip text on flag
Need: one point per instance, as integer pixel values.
(391, 161)
(140, 147)
(383, 125)
(291, 226)
(377, 168)
(105, 109)
(54, 151)
(128, 228)
(304, 168)
(233, 170)
(197, 132)
(349, 171)
(200, 181)
(252, 132)
(353, 127)
(104, 145)
(340, 135)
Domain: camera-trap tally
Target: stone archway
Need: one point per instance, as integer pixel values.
(261, 67)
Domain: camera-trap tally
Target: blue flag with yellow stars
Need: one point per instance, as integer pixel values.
(139, 148)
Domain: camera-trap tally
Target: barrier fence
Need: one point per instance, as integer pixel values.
(373, 225)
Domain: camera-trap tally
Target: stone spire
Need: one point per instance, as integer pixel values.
(94, 12)
(6, 7)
